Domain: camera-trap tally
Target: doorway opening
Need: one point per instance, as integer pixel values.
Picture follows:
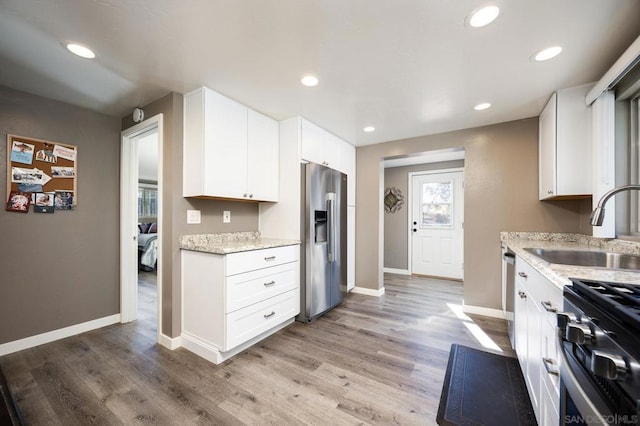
(141, 223)
(404, 253)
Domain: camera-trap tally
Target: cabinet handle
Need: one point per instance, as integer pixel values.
(269, 283)
(548, 306)
(523, 275)
(522, 294)
(270, 258)
(250, 195)
(269, 315)
(244, 195)
(550, 366)
(550, 192)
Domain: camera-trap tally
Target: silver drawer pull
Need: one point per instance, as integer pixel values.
(269, 283)
(522, 274)
(270, 258)
(548, 306)
(551, 366)
(269, 315)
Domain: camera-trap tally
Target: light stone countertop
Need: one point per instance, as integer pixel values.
(560, 274)
(231, 242)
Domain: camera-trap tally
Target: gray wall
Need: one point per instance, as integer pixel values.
(63, 268)
(501, 194)
(396, 226)
(244, 216)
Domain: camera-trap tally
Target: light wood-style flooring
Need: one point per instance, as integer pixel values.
(378, 361)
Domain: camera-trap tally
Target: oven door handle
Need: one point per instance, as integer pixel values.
(584, 404)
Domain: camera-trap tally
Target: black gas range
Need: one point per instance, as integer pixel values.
(599, 334)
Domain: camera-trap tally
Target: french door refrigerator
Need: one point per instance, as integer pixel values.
(323, 268)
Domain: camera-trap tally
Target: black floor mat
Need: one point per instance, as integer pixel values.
(481, 388)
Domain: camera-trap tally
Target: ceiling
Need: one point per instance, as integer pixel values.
(407, 67)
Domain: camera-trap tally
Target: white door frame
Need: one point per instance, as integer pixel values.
(129, 216)
(410, 175)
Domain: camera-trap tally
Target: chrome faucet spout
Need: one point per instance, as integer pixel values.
(597, 216)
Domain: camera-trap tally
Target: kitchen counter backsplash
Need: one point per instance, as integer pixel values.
(231, 242)
(608, 244)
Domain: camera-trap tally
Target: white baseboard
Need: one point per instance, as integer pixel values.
(368, 291)
(487, 312)
(214, 355)
(170, 342)
(62, 333)
(396, 271)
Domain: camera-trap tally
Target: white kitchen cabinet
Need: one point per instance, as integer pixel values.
(536, 301)
(351, 247)
(230, 151)
(262, 157)
(320, 146)
(565, 146)
(348, 160)
(231, 301)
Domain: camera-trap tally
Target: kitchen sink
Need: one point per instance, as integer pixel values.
(598, 259)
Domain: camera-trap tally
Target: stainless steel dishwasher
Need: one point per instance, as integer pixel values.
(508, 291)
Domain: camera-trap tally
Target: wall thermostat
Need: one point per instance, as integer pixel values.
(138, 115)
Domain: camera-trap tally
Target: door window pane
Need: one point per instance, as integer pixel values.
(437, 205)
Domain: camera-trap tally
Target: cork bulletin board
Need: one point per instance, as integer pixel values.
(42, 174)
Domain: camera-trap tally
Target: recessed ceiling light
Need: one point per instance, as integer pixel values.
(482, 106)
(309, 80)
(81, 50)
(548, 53)
(369, 129)
(483, 16)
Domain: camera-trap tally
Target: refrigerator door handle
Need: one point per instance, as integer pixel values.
(331, 217)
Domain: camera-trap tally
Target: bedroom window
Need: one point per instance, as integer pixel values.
(147, 200)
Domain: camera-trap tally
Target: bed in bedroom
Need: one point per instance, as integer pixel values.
(147, 246)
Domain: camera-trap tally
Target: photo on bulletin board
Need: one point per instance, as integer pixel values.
(37, 166)
(18, 202)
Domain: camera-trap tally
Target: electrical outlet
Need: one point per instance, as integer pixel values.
(226, 216)
(193, 216)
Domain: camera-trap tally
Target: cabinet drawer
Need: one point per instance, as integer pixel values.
(256, 286)
(249, 322)
(238, 263)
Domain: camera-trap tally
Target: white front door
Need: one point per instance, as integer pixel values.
(436, 224)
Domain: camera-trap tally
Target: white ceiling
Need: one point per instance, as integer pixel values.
(407, 67)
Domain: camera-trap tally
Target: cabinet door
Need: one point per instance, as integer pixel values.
(332, 147)
(348, 160)
(263, 157)
(534, 355)
(547, 150)
(351, 247)
(225, 147)
(312, 143)
(520, 324)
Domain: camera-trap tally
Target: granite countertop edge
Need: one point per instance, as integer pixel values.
(560, 274)
(227, 243)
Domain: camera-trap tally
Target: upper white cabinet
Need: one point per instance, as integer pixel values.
(319, 146)
(565, 145)
(230, 151)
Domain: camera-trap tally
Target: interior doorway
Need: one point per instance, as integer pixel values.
(396, 218)
(140, 216)
(437, 217)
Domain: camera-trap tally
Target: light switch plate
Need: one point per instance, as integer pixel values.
(226, 216)
(193, 216)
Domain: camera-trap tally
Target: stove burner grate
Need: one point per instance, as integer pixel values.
(623, 300)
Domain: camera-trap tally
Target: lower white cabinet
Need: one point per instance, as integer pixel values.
(536, 301)
(231, 301)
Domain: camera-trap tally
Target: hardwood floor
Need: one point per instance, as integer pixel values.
(369, 361)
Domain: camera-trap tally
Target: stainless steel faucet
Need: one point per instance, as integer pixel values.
(597, 216)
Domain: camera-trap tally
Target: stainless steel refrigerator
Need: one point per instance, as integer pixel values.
(323, 268)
